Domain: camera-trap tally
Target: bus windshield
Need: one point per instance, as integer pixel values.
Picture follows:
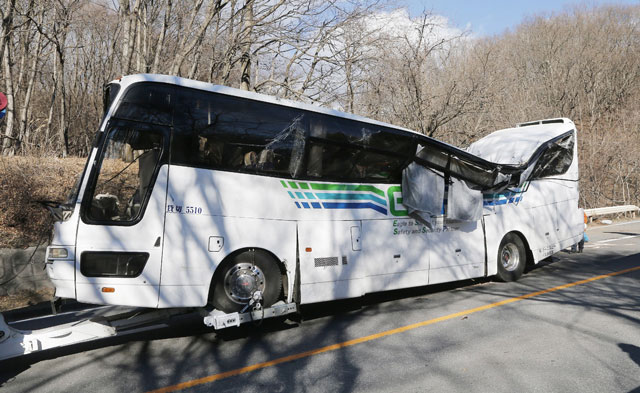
(129, 158)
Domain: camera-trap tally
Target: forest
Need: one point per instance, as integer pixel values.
(364, 57)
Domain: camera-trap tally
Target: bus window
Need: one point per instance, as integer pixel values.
(214, 131)
(149, 103)
(350, 132)
(556, 160)
(128, 162)
(342, 149)
(337, 162)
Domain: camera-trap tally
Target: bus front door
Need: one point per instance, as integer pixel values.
(119, 238)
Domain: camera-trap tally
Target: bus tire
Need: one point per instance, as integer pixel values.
(512, 258)
(239, 277)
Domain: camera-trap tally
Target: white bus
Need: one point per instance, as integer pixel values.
(197, 195)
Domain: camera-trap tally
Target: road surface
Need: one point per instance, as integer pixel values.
(570, 325)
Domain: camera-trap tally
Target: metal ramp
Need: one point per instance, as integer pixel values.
(17, 342)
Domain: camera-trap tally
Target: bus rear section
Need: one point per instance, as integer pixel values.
(543, 211)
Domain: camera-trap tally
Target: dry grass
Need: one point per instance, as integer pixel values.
(25, 180)
(24, 299)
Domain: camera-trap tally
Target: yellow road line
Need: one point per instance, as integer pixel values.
(333, 347)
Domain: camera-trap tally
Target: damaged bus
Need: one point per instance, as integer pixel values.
(197, 195)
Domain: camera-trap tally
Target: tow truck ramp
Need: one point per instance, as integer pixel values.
(15, 342)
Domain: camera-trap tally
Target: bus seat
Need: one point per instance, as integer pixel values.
(265, 160)
(146, 167)
(250, 159)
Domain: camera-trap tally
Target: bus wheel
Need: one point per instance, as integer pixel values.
(512, 258)
(242, 275)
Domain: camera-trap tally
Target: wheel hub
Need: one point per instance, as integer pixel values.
(242, 280)
(510, 257)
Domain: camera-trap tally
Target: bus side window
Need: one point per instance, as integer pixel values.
(216, 131)
(342, 149)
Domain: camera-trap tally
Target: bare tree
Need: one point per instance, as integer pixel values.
(129, 14)
(7, 13)
(363, 56)
(189, 43)
(33, 47)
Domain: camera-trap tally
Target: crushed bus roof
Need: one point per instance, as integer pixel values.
(514, 146)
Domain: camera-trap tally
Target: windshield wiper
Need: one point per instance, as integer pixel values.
(57, 209)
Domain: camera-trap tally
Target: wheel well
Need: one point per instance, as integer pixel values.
(233, 254)
(526, 246)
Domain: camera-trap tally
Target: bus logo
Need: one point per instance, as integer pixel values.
(308, 195)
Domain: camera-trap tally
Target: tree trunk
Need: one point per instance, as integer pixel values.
(245, 59)
(8, 147)
(161, 37)
(24, 111)
(6, 12)
(47, 132)
(226, 72)
(130, 16)
(194, 66)
(23, 132)
(138, 45)
(63, 137)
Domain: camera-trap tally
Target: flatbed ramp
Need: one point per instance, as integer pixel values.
(17, 342)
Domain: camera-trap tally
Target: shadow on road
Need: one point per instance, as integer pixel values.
(204, 351)
(631, 350)
(624, 233)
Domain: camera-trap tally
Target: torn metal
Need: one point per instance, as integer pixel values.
(443, 179)
(551, 156)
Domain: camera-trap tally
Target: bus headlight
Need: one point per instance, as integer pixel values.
(58, 253)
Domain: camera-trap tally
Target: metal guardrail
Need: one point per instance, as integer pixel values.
(602, 211)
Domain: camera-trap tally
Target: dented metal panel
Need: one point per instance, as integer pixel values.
(548, 157)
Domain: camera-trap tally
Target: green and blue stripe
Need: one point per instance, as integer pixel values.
(336, 196)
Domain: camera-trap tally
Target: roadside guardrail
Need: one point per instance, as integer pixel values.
(603, 211)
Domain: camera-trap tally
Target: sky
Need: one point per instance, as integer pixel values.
(491, 17)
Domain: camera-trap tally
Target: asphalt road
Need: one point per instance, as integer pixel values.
(569, 325)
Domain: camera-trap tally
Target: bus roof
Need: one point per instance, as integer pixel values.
(514, 146)
(189, 83)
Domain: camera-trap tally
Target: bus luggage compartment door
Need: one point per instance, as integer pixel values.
(396, 254)
(457, 253)
(330, 259)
